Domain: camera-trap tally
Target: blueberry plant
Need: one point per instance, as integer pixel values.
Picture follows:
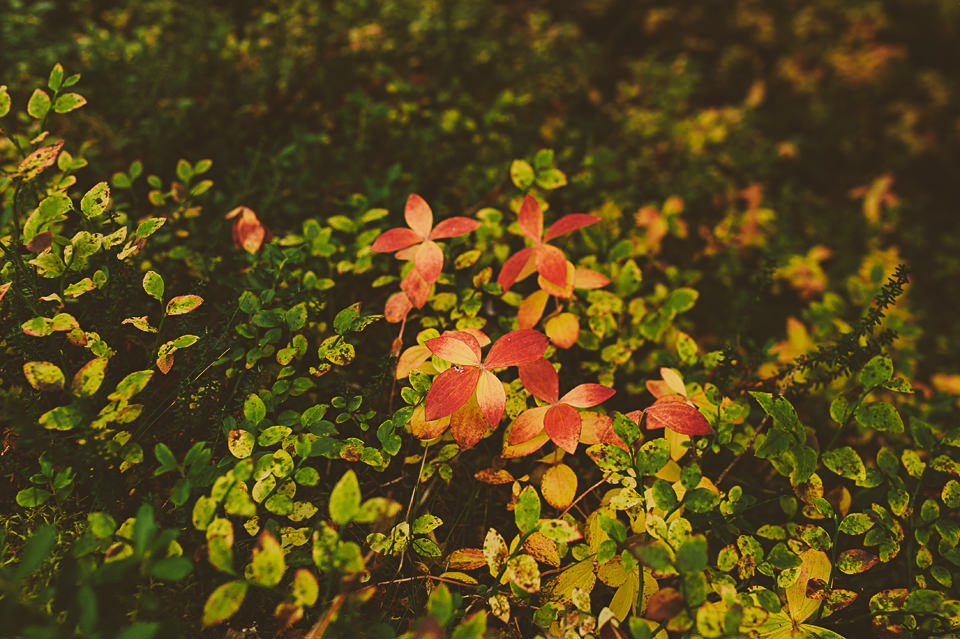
(562, 455)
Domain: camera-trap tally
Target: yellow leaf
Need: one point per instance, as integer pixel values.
(559, 486)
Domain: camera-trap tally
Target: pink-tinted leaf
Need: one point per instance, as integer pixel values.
(530, 219)
(563, 329)
(480, 336)
(562, 425)
(454, 226)
(429, 261)
(491, 397)
(416, 288)
(540, 379)
(450, 390)
(528, 425)
(516, 347)
(411, 359)
(183, 304)
(394, 240)
(552, 264)
(456, 347)
(514, 267)
(658, 388)
(423, 429)
(408, 253)
(587, 395)
(679, 417)
(397, 307)
(585, 278)
(635, 416)
(569, 223)
(418, 215)
(596, 428)
(468, 425)
(531, 309)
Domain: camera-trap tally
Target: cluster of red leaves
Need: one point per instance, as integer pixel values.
(417, 243)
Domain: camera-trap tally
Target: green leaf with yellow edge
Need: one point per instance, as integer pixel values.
(268, 564)
(855, 561)
(130, 385)
(521, 174)
(4, 100)
(845, 462)
(95, 201)
(69, 102)
(224, 602)
(153, 285)
(61, 418)
(304, 588)
(39, 104)
(559, 486)
(44, 376)
(527, 510)
(879, 416)
(240, 443)
(345, 499)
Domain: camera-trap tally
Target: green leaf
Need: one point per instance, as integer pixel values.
(424, 524)
(149, 226)
(224, 602)
(86, 382)
(951, 494)
(343, 322)
(692, 555)
(682, 299)
(551, 179)
(101, 525)
(55, 79)
(345, 499)
(171, 568)
(4, 100)
(521, 173)
(424, 546)
(32, 497)
(95, 201)
(912, 462)
(878, 370)
(61, 418)
(268, 563)
(254, 410)
(203, 511)
(69, 102)
(845, 462)
(153, 285)
(183, 304)
(296, 317)
(440, 604)
(304, 588)
(856, 523)
(39, 104)
(701, 500)
(879, 416)
(527, 511)
(166, 458)
(36, 550)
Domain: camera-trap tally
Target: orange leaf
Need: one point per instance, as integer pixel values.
(466, 559)
(552, 264)
(679, 417)
(562, 425)
(494, 476)
(530, 219)
(248, 232)
(418, 215)
(522, 449)
(540, 379)
(569, 223)
(4, 288)
(559, 486)
(421, 428)
(515, 267)
(531, 309)
(596, 428)
(563, 329)
(491, 397)
(416, 288)
(397, 307)
(585, 278)
(587, 395)
(456, 347)
(453, 226)
(429, 261)
(516, 347)
(411, 358)
(468, 425)
(528, 425)
(450, 390)
(394, 240)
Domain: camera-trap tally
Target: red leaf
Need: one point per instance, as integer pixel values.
(468, 425)
(416, 288)
(454, 226)
(491, 397)
(587, 395)
(585, 278)
(418, 215)
(249, 233)
(552, 264)
(394, 240)
(634, 415)
(516, 347)
(562, 424)
(531, 309)
(456, 347)
(450, 390)
(429, 261)
(397, 307)
(528, 425)
(530, 219)
(569, 223)
(540, 379)
(480, 336)
(680, 417)
(514, 267)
